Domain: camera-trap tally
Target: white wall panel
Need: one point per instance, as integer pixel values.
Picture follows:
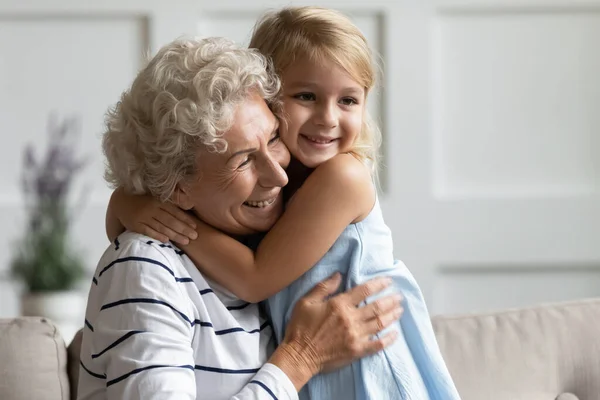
(71, 65)
(484, 287)
(516, 100)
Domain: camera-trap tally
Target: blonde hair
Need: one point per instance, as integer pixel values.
(317, 34)
(184, 98)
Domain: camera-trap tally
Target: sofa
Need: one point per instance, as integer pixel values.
(545, 352)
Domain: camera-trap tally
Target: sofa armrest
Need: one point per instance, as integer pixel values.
(33, 360)
(534, 353)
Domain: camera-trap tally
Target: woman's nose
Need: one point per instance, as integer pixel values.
(272, 171)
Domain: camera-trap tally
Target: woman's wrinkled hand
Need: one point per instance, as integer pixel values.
(334, 331)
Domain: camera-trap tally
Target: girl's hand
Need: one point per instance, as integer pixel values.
(326, 333)
(146, 215)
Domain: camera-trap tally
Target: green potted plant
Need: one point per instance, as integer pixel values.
(45, 261)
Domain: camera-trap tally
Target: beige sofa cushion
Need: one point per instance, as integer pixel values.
(538, 353)
(34, 360)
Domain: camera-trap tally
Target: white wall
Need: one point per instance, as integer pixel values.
(490, 115)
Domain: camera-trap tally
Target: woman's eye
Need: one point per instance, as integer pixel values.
(348, 101)
(244, 163)
(274, 139)
(305, 96)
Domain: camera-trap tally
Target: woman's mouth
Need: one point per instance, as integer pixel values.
(260, 203)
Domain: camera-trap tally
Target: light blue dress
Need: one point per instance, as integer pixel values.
(412, 368)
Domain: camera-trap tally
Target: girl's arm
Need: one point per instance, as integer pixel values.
(338, 193)
(146, 215)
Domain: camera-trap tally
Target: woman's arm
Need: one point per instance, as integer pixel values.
(337, 193)
(146, 347)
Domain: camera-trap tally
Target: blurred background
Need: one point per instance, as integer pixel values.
(490, 111)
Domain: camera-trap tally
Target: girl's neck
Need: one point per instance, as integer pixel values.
(297, 174)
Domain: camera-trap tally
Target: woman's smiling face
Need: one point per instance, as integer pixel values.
(240, 191)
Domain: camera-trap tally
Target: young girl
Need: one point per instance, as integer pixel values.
(332, 221)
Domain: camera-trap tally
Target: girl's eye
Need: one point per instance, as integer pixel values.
(305, 96)
(274, 139)
(348, 101)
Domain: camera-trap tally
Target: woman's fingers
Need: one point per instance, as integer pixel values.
(373, 346)
(380, 306)
(324, 288)
(360, 293)
(381, 321)
(336, 329)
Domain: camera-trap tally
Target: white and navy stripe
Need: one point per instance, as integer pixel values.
(155, 328)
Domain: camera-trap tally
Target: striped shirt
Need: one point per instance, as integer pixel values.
(155, 328)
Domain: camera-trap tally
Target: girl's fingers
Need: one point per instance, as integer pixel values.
(149, 231)
(167, 232)
(179, 228)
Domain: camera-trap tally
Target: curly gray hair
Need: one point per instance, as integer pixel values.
(185, 97)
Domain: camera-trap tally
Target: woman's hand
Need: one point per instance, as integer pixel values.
(146, 215)
(326, 333)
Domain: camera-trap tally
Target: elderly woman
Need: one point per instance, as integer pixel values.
(156, 328)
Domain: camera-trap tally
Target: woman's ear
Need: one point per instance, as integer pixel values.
(181, 197)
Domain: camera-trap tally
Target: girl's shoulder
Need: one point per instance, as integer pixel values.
(346, 167)
(345, 175)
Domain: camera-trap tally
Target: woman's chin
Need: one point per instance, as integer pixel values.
(261, 219)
